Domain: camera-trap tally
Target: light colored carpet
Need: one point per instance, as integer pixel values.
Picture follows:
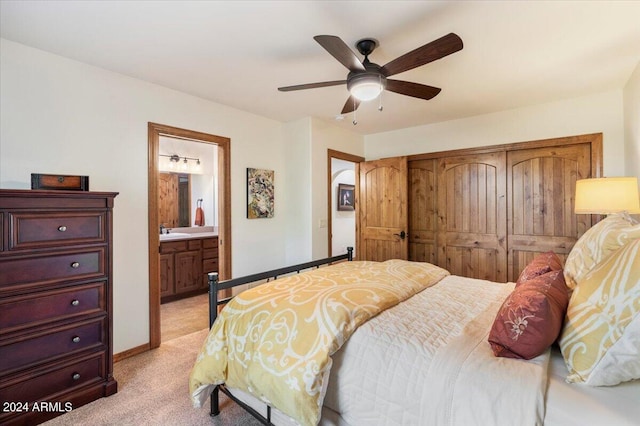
(153, 389)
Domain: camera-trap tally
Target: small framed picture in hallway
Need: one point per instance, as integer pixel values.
(346, 197)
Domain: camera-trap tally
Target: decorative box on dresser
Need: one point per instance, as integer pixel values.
(55, 302)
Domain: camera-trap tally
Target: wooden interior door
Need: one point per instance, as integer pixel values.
(472, 215)
(168, 199)
(541, 189)
(423, 219)
(382, 210)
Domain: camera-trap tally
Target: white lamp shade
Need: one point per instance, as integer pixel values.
(366, 90)
(366, 86)
(607, 195)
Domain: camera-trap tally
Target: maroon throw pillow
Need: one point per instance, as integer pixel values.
(541, 264)
(530, 318)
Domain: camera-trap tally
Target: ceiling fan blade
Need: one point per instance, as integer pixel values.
(430, 52)
(351, 105)
(312, 85)
(339, 50)
(416, 90)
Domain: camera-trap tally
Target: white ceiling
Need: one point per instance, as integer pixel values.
(238, 53)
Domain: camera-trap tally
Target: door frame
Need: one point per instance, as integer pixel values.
(156, 130)
(356, 159)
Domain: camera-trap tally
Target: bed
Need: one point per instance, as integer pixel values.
(428, 353)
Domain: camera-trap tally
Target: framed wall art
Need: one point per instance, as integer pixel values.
(346, 197)
(260, 193)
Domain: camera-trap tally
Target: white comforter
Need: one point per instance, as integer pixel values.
(427, 362)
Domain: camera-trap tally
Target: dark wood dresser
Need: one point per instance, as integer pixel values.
(55, 302)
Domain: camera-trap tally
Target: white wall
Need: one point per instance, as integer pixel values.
(602, 112)
(61, 116)
(298, 243)
(632, 124)
(326, 136)
(204, 187)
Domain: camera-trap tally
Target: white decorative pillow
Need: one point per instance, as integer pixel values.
(596, 244)
(600, 341)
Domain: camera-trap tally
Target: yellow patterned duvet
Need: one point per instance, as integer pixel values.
(275, 341)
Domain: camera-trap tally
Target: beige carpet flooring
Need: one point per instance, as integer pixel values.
(153, 387)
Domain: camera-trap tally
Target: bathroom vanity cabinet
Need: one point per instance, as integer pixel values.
(184, 265)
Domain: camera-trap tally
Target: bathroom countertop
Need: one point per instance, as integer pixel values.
(177, 236)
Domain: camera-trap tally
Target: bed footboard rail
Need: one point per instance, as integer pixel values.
(215, 286)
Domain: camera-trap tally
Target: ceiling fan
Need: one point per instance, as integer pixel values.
(367, 80)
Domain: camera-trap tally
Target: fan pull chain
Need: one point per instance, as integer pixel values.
(355, 118)
(380, 108)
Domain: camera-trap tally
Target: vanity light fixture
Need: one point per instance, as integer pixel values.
(175, 159)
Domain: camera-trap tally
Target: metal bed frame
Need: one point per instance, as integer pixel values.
(214, 302)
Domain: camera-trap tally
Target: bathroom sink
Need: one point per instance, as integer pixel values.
(173, 236)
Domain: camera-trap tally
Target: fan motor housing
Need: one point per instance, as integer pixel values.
(372, 73)
(366, 76)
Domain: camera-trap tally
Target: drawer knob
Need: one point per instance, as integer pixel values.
(75, 302)
(76, 339)
(62, 228)
(75, 265)
(76, 376)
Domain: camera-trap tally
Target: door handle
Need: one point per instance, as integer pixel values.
(402, 235)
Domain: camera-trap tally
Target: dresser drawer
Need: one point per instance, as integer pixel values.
(54, 380)
(37, 271)
(29, 230)
(27, 311)
(50, 344)
(1, 231)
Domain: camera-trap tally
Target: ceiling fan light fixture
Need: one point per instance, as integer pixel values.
(366, 86)
(367, 80)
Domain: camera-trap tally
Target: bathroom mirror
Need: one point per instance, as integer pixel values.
(181, 184)
(178, 194)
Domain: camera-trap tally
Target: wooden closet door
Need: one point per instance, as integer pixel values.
(422, 211)
(472, 215)
(382, 209)
(541, 190)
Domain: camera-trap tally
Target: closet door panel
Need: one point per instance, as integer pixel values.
(541, 190)
(472, 215)
(472, 262)
(422, 211)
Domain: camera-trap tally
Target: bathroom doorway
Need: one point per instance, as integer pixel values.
(221, 197)
(342, 169)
